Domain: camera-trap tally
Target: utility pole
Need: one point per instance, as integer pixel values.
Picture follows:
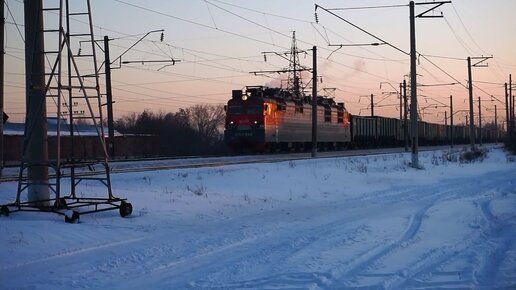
(451, 120)
(479, 63)
(511, 102)
(401, 101)
(405, 115)
(2, 52)
(372, 106)
(480, 121)
(507, 110)
(400, 128)
(109, 100)
(471, 124)
(413, 72)
(314, 102)
(413, 87)
(445, 124)
(36, 129)
(496, 125)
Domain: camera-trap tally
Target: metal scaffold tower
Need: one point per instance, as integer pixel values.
(63, 92)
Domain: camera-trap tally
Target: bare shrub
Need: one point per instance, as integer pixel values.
(477, 154)
(199, 190)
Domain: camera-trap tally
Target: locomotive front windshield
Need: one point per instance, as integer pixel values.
(245, 110)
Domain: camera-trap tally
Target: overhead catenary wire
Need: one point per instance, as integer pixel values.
(466, 29)
(14, 21)
(346, 66)
(207, 26)
(370, 7)
(363, 30)
(197, 23)
(378, 38)
(261, 12)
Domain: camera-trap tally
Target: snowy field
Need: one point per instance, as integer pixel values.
(337, 223)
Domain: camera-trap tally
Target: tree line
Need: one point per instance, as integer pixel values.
(196, 130)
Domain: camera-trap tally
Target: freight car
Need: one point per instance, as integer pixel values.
(367, 131)
(268, 119)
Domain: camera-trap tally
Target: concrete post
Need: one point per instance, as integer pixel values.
(36, 154)
(314, 103)
(413, 88)
(471, 114)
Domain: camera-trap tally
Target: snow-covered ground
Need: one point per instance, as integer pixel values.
(337, 223)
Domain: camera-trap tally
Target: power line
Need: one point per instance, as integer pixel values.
(14, 20)
(210, 27)
(444, 57)
(370, 7)
(261, 12)
(445, 72)
(363, 30)
(474, 42)
(175, 74)
(465, 28)
(490, 83)
(246, 19)
(363, 48)
(459, 39)
(197, 23)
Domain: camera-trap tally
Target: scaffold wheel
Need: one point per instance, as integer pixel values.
(72, 217)
(126, 209)
(4, 210)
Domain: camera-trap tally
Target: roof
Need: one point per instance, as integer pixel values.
(82, 130)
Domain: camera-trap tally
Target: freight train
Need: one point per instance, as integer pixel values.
(263, 119)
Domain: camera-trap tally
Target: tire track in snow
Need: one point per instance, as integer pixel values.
(313, 235)
(236, 255)
(270, 249)
(344, 273)
(439, 256)
(500, 242)
(430, 260)
(68, 264)
(336, 277)
(69, 253)
(446, 191)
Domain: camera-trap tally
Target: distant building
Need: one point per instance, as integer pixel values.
(80, 130)
(87, 145)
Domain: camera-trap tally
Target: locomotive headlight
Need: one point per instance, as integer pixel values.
(231, 122)
(255, 122)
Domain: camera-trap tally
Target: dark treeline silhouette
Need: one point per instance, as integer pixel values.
(192, 131)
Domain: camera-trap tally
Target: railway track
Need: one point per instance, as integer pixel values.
(10, 174)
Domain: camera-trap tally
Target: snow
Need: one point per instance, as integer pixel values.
(331, 223)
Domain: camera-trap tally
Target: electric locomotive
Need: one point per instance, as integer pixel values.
(269, 119)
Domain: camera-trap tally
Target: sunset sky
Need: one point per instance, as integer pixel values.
(219, 42)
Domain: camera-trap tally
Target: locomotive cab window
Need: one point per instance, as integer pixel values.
(235, 110)
(340, 117)
(327, 115)
(299, 109)
(254, 110)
